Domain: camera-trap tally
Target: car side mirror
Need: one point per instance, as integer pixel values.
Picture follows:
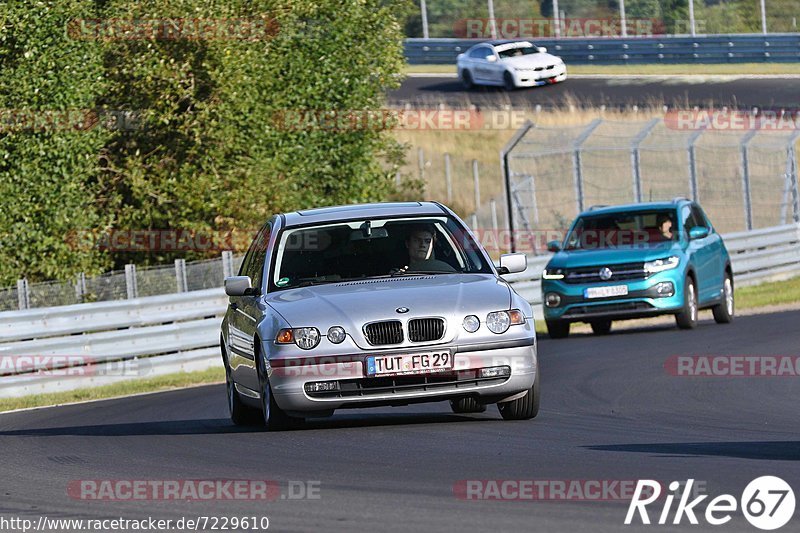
(238, 286)
(491, 59)
(553, 246)
(542, 50)
(513, 263)
(698, 232)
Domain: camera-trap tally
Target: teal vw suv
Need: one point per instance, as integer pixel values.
(635, 261)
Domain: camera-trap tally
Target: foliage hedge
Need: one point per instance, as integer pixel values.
(201, 149)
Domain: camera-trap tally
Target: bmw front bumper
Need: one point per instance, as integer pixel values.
(532, 78)
(355, 389)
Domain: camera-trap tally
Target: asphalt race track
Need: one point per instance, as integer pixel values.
(610, 411)
(616, 92)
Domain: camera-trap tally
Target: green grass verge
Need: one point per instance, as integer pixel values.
(704, 69)
(772, 293)
(124, 388)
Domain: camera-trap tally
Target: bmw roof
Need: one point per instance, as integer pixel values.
(356, 211)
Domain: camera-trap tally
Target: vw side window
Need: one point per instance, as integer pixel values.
(687, 220)
(700, 217)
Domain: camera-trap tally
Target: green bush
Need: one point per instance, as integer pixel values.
(206, 153)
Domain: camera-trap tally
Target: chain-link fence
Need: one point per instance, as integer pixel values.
(744, 179)
(119, 285)
(513, 19)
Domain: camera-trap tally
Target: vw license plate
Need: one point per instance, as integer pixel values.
(606, 292)
(417, 363)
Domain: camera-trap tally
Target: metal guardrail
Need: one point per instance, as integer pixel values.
(180, 331)
(744, 48)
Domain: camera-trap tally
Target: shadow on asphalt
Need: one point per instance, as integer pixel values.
(223, 425)
(763, 450)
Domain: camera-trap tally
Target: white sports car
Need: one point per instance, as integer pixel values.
(510, 64)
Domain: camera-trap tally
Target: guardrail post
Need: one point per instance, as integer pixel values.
(130, 281)
(227, 264)
(577, 165)
(23, 294)
(637, 141)
(180, 275)
(748, 202)
(80, 287)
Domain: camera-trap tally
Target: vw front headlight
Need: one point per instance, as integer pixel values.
(660, 265)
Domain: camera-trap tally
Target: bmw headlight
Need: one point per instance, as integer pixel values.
(660, 265)
(305, 338)
(336, 334)
(500, 321)
(471, 323)
(553, 273)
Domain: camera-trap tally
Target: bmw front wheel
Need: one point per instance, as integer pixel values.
(523, 408)
(508, 81)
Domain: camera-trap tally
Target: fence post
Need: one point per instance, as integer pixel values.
(790, 181)
(795, 191)
(474, 222)
(180, 275)
(424, 13)
(130, 281)
(227, 264)
(748, 201)
(495, 225)
(80, 287)
(505, 166)
(577, 165)
(695, 192)
(23, 294)
(476, 183)
(637, 141)
(448, 178)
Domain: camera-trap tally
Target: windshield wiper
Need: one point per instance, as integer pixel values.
(421, 272)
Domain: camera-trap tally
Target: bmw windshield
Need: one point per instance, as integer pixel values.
(361, 249)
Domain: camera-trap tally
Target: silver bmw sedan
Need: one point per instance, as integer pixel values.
(382, 304)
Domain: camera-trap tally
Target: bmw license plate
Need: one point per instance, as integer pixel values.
(417, 363)
(606, 292)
